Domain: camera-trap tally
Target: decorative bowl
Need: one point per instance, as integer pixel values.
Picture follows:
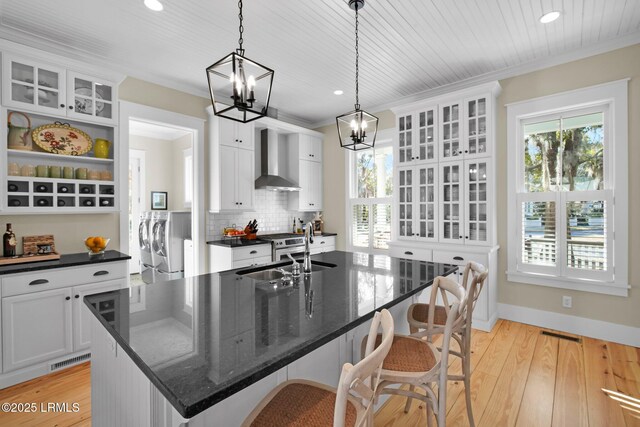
(96, 245)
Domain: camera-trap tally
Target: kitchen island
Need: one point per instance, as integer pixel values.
(204, 350)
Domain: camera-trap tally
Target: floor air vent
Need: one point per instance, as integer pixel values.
(69, 362)
(564, 337)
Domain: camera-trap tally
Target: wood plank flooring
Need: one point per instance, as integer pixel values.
(520, 378)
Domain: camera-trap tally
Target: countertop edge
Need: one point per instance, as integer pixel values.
(190, 411)
(61, 263)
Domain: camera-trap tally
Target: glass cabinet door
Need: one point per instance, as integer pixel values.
(90, 98)
(450, 146)
(477, 175)
(451, 209)
(405, 203)
(426, 202)
(34, 87)
(426, 144)
(476, 116)
(406, 275)
(405, 139)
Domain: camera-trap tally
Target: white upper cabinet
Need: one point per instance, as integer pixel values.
(33, 86)
(90, 98)
(236, 134)
(417, 137)
(310, 147)
(444, 179)
(232, 163)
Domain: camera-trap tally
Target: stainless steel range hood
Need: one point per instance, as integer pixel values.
(269, 178)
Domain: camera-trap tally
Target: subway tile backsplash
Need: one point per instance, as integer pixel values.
(271, 212)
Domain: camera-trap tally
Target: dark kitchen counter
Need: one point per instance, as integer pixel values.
(186, 337)
(68, 260)
(238, 243)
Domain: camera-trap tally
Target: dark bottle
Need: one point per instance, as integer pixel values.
(9, 242)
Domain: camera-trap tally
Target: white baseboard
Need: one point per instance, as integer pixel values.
(485, 325)
(627, 335)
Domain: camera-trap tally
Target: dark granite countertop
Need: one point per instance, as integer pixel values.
(238, 243)
(186, 337)
(68, 260)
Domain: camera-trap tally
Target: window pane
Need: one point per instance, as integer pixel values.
(583, 149)
(360, 223)
(542, 156)
(374, 172)
(381, 225)
(586, 235)
(539, 233)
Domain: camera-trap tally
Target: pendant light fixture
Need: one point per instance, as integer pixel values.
(357, 129)
(240, 88)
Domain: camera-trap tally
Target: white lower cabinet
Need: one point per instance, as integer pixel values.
(36, 327)
(227, 258)
(82, 315)
(322, 244)
(44, 321)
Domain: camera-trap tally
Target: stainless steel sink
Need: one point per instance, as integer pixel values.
(264, 275)
(273, 271)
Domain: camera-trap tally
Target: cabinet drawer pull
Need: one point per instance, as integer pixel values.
(322, 243)
(100, 273)
(408, 253)
(458, 258)
(253, 252)
(67, 298)
(38, 282)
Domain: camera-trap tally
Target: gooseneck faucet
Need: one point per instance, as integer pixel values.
(308, 238)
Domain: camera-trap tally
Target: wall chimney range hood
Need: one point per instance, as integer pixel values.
(269, 178)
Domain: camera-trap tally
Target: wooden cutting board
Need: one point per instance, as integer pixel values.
(31, 245)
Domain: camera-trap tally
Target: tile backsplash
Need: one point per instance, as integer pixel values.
(272, 213)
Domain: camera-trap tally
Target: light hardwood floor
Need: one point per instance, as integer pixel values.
(520, 378)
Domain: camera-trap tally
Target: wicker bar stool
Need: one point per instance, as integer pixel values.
(303, 403)
(421, 325)
(419, 363)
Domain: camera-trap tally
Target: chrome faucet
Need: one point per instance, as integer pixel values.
(308, 238)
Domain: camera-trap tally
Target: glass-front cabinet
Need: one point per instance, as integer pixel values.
(451, 202)
(417, 213)
(46, 89)
(90, 98)
(476, 128)
(32, 86)
(417, 137)
(450, 135)
(477, 175)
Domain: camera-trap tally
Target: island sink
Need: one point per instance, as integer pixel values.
(275, 272)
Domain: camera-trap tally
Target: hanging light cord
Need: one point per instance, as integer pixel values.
(357, 57)
(240, 50)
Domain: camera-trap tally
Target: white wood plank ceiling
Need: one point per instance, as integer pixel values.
(406, 46)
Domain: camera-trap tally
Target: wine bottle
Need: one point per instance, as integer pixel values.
(9, 242)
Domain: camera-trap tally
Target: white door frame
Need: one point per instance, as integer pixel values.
(143, 113)
(139, 155)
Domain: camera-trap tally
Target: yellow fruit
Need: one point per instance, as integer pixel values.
(89, 241)
(98, 242)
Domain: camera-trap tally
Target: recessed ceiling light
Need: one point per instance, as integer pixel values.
(154, 5)
(338, 92)
(549, 17)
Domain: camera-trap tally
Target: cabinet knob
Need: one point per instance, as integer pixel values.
(67, 298)
(77, 296)
(70, 107)
(459, 237)
(466, 237)
(466, 151)
(240, 202)
(460, 152)
(61, 105)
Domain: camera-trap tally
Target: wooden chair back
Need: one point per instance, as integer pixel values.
(361, 380)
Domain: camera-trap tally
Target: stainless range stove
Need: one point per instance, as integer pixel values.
(283, 244)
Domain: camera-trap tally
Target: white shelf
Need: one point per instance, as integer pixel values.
(58, 180)
(15, 154)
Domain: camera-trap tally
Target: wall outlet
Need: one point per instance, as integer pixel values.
(567, 301)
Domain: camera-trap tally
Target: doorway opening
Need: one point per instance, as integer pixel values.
(164, 153)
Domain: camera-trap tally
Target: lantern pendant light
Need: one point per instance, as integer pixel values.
(357, 129)
(240, 88)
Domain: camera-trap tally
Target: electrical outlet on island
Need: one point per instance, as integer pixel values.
(567, 301)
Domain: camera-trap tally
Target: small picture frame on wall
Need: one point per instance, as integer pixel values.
(158, 200)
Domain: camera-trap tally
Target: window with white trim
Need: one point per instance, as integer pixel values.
(564, 155)
(371, 196)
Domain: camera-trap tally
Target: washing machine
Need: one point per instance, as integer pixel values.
(169, 230)
(147, 271)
